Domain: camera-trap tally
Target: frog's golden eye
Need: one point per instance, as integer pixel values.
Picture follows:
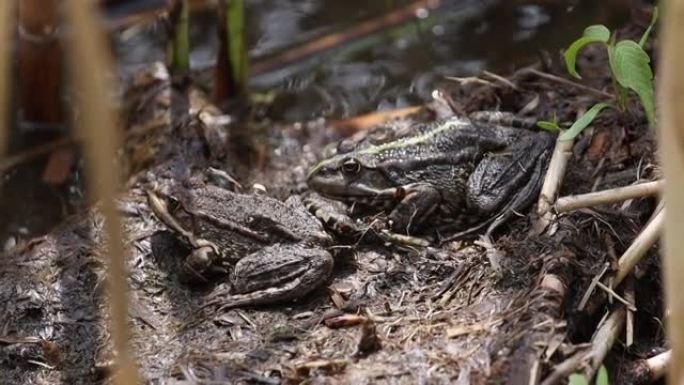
(351, 166)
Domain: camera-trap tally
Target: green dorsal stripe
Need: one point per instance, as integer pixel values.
(402, 143)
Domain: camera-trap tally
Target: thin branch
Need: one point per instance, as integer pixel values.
(657, 365)
(552, 182)
(615, 295)
(592, 286)
(569, 83)
(601, 343)
(32, 153)
(648, 236)
(575, 202)
(357, 31)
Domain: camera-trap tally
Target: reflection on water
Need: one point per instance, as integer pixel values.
(393, 69)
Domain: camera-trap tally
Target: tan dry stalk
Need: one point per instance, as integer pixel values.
(671, 135)
(552, 182)
(614, 195)
(604, 339)
(601, 343)
(648, 236)
(657, 365)
(6, 28)
(90, 66)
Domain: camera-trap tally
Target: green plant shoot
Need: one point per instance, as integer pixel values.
(630, 68)
(602, 376)
(581, 379)
(592, 34)
(548, 125)
(583, 121)
(577, 379)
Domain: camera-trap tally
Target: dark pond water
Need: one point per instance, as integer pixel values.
(396, 67)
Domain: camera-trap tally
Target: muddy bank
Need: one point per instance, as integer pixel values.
(388, 315)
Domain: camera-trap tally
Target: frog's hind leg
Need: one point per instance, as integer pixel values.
(524, 198)
(278, 273)
(506, 183)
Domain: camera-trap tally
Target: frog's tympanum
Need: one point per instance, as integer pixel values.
(445, 170)
(275, 249)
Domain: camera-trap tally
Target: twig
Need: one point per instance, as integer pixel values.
(501, 79)
(592, 286)
(657, 365)
(347, 127)
(601, 344)
(629, 322)
(32, 153)
(647, 371)
(569, 83)
(639, 247)
(570, 203)
(552, 182)
(615, 295)
(326, 42)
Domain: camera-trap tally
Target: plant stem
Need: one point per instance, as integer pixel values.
(230, 81)
(236, 40)
(179, 41)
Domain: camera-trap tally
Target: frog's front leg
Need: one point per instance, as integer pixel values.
(333, 216)
(417, 202)
(274, 274)
(201, 260)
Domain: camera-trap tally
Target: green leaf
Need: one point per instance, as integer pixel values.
(577, 379)
(583, 121)
(592, 34)
(602, 376)
(647, 32)
(597, 32)
(631, 68)
(548, 126)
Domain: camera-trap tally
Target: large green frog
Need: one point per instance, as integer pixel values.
(482, 168)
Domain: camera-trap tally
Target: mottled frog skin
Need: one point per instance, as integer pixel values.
(444, 170)
(276, 250)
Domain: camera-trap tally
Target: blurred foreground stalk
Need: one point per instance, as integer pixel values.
(39, 64)
(6, 28)
(671, 130)
(178, 51)
(230, 81)
(90, 67)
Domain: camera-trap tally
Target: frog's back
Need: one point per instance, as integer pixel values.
(248, 210)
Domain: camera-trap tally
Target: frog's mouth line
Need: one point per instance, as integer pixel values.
(356, 192)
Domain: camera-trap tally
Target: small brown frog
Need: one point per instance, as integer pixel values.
(276, 249)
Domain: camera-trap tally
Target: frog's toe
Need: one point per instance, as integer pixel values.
(419, 202)
(198, 265)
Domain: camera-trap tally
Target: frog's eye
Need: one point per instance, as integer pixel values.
(351, 166)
